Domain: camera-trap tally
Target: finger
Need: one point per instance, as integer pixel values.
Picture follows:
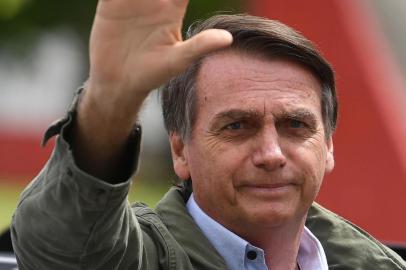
(201, 44)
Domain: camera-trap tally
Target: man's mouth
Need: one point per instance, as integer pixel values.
(268, 189)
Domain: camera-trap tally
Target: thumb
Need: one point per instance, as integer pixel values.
(204, 42)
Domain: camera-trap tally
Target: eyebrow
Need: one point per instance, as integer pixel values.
(237, 114)
(300, 114)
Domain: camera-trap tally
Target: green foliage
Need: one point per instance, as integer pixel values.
(201, 9)
(10, 8)
(148, 192)
(36, 16)
(9, 194)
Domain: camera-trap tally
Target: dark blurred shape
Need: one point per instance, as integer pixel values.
(5, 241)
(399, 249)
(7, 258)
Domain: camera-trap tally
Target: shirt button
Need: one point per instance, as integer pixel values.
(251, 255)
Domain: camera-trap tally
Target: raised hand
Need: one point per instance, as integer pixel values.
(135, 46)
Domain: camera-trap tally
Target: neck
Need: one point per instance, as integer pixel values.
(280, 244)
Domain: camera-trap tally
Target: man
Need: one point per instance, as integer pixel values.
(250, 114)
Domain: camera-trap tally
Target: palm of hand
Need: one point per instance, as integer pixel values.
(129, 35)
(138, 44)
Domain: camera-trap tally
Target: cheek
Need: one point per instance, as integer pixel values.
(213, 175)
(311, 163)
(213, 169)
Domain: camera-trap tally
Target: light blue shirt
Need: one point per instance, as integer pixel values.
(241, 255)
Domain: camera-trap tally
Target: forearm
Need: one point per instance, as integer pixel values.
(101, 134)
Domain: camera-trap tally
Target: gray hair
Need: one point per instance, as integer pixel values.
(251, 34)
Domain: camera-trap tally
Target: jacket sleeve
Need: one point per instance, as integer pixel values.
(68, 219)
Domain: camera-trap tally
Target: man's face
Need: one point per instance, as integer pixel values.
(258, 152)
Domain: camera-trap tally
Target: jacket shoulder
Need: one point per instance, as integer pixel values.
(348, 246)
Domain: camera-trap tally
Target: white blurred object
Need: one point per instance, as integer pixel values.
(154, 134)
(36, 90)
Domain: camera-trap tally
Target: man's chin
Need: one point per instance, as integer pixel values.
(273, 216)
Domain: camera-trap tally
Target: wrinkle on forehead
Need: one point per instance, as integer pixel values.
(263, 99)
(236, 71)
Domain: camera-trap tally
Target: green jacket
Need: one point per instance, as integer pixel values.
(68, 219)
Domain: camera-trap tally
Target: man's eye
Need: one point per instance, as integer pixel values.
(293, 123)
(234, 126)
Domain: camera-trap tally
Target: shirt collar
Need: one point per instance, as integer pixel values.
(311, 253)
(235, 250)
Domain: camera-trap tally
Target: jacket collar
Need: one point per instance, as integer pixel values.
(173, 213)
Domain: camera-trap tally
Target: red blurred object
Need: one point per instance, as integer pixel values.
(368, 185)
(21, 156)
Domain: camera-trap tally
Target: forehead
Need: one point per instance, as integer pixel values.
(231, 79)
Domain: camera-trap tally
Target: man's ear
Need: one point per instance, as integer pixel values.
(330, 155)
(179, 156)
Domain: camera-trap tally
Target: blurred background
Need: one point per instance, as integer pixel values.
(43, 59)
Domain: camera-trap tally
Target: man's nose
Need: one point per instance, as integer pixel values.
(268, 153)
